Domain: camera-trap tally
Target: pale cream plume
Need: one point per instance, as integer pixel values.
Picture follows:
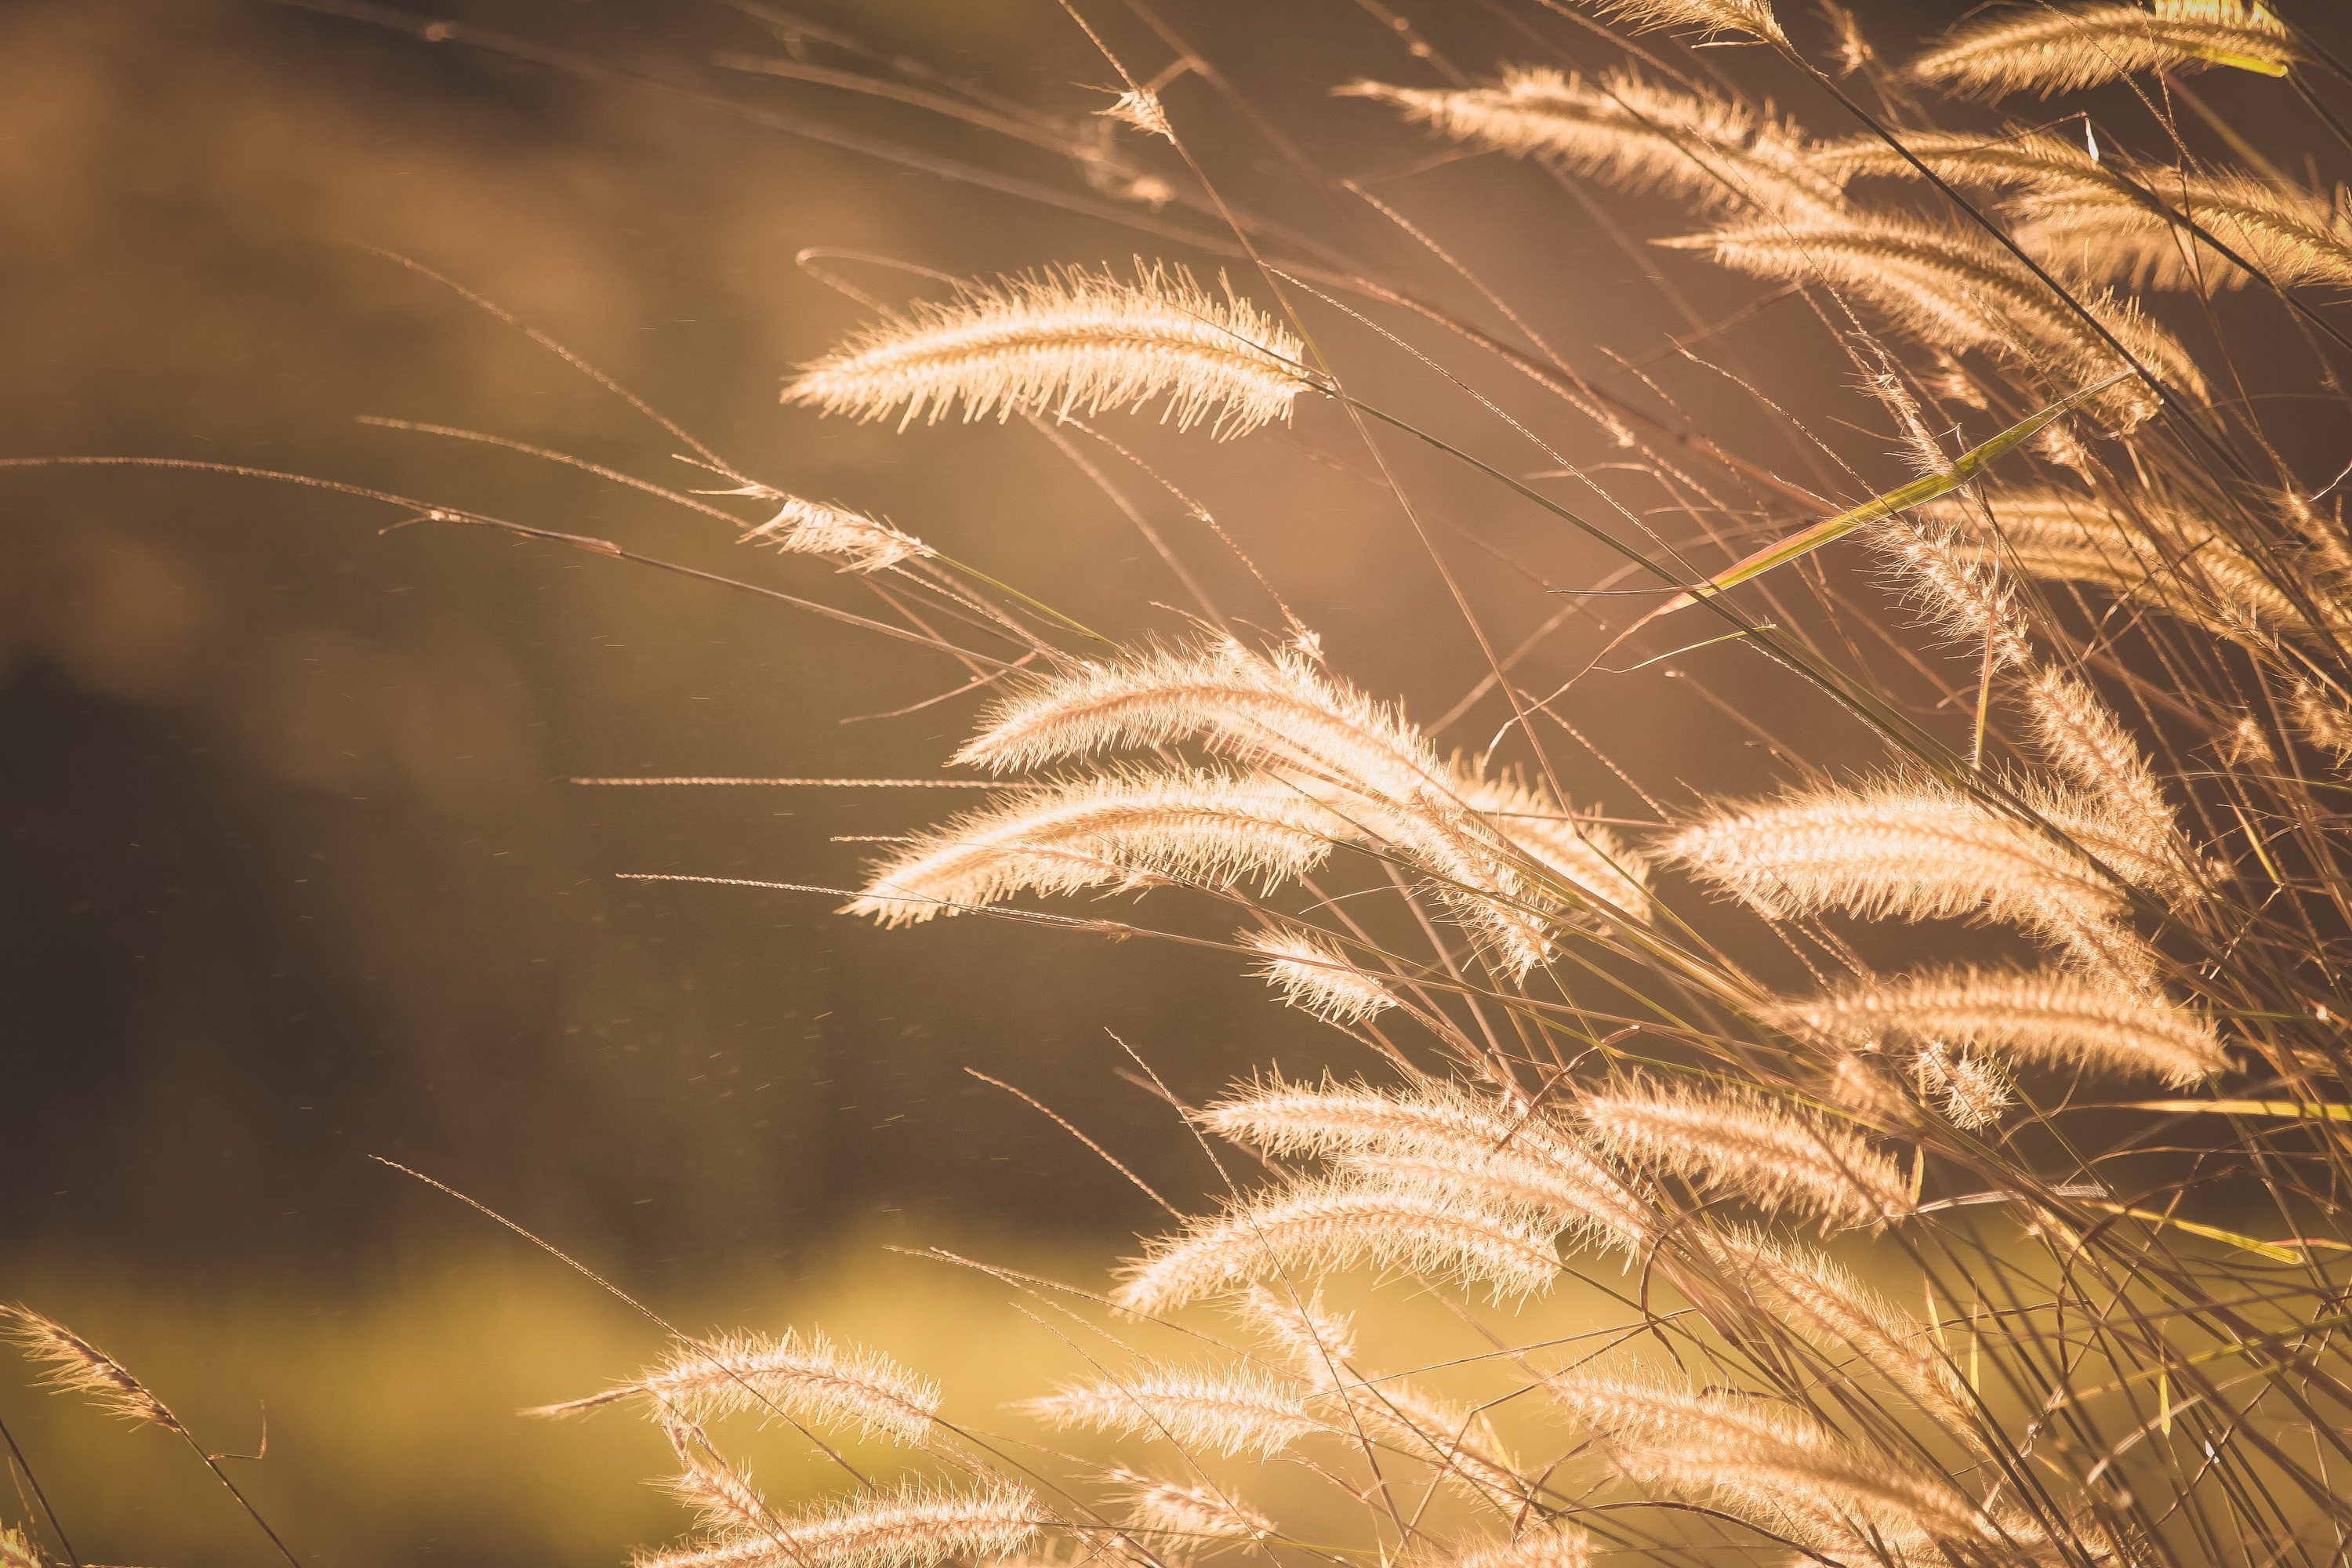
(2081, 737)
(910, 1528)
(1958, 289)
(1739, 1141)
(2096, 219)
(1915, 852)
(19, 1550)
(1825, 1303)
(2323, 718)
(2050, 50)
(1232, 1415)
(1320, 1344)
(1753, 17)
(1067, 341)
(1789, 1472)
(1539, 828)
(1958, 591)
(806, 1377)
(1362, 758)
(73, 1365)
(1315, 975)
(2156, 558)
(1323, 1227)
(1116, 829)
(811, 528)
(1462, 1447)
(1974, 1092)
(1553, 1546)
(722, 1495)
(1177, 1521)
(2048, 1016)
(1631, 133)
(1450, 1147)
(1316, 1342)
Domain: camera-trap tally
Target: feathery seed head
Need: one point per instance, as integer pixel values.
(1558, 1546)
(1826, 1304)
(1321, 1227)
(1449, 1148)
(1532, 823)
(1960, 290)
(19, 1550)
(1232, 1414)
(1116, 830)
(2081, 735)
(1783, 1469)
(2154, 557)
(2323, 718)
(2052, 49)
(1315, 1341)
(1282, 711)
(1910, 852)
(1140, 107)
(74, 1366)
(910, 1529)
(1179, 1521)
(1067, 341)
(1631, 133)
(1974, 1092)
(1753, 17)
(806, 1377)
(2048, 1016)
(1743, 1142)
(1959, 592)
(722, 1496)
(1315, 975)
(2098, 219)
(811, 528)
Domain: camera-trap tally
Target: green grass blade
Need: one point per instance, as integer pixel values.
(1965, 467)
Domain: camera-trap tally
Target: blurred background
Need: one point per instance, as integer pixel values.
(293, 874)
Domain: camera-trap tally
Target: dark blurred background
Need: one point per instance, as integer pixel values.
(293, 874)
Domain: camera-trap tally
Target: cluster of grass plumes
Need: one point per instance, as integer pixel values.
(2134, 610)
(2112, 731)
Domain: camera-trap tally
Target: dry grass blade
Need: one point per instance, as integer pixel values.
(1063, 343)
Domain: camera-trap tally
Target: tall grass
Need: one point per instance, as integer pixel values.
(2096, 1189)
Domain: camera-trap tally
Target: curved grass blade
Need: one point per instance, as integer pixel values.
(1965, 467)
